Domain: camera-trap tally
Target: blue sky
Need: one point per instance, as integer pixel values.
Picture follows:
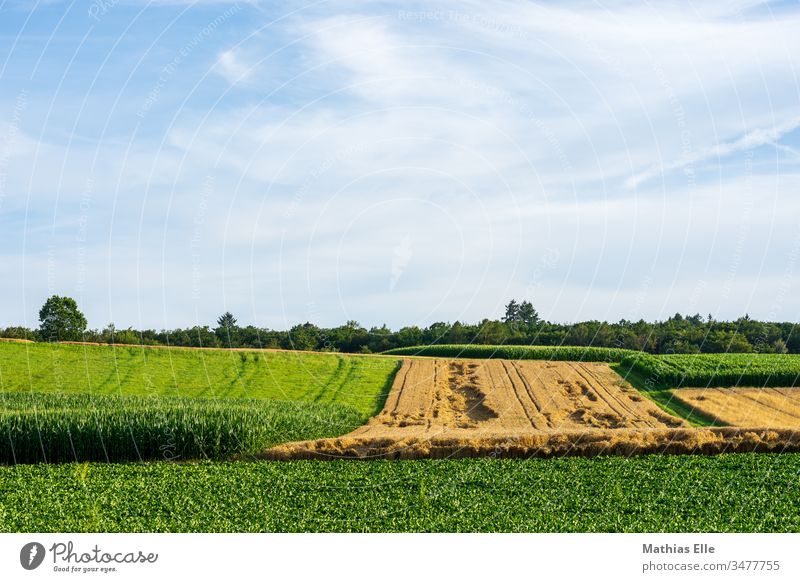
(398, 163)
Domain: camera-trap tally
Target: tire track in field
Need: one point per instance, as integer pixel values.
(587, 412)
(625, 415)
(532, 400)
(350, 368)
(517, 397)
(532, 391)
(435, 407)
(623, 400)
(399, 386)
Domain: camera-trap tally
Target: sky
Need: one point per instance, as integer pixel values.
(401, 163)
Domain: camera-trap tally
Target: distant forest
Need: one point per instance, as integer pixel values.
(521, 325)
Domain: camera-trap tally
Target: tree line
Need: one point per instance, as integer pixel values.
(61, 320)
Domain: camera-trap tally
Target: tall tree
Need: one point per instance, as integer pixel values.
(528, 316)
(512, 312)
(61, 320)
(226, 328)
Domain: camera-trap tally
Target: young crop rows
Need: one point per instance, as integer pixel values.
(568, 353)
(723, 493)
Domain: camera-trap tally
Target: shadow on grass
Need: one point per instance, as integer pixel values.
(662, 396)
(387, 387)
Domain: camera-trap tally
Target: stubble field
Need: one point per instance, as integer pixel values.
(774, 407)
(440, 408)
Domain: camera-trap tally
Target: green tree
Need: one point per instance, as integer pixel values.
(458, 334)
(491, 332)
(726, 341)
(780, 346)
(528, 316)
(200, 336)
(18, 332)
(61, 320)
(226, 328)
(512, 312)
(302, 337)
(409, 336)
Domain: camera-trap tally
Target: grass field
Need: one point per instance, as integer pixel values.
(726, 493)
(573, 353)
(719, 370)
(62, 428)
(358, 381)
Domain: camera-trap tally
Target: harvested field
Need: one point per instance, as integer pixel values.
(445, 408)
(768, 407)
(500, 396)
(586, 443)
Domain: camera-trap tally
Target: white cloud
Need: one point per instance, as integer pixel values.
(231, 67)
(490, 136)
(751, 140)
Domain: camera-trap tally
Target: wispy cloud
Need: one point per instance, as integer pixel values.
(751, 140)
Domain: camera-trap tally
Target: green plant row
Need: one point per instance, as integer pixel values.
(575, 353)
(698, 370)
(63, 428)
(656, 493)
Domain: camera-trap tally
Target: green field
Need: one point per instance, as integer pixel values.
(574, 353)
(358, 381)
(130, 403)
(726, 493)
(62, 428)
(699, 370)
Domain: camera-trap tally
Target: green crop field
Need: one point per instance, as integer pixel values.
(726, 493)
(61, 428)
(74, 402)
(575, 353)
(358, 381)
(698, 370)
